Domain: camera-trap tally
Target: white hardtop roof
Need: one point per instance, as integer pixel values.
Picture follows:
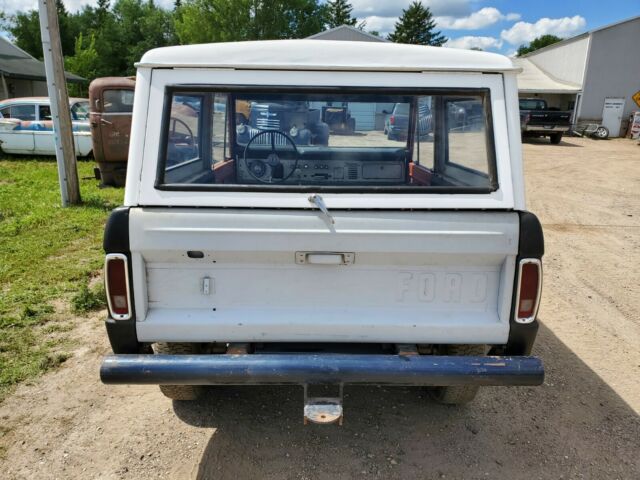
(325, 55)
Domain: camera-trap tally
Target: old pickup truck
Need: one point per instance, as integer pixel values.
(538, 120)
(322, 262)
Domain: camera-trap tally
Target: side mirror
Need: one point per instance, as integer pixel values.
(386, 112)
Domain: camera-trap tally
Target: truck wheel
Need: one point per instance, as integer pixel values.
(556, 138)
(457, 395)
(179, 392)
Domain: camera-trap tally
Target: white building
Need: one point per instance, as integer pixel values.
(595, 74)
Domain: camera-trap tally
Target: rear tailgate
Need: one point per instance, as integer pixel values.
(549, 117)
(289, 275)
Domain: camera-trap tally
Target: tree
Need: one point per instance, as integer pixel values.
(85, 62)
(537, 43)
(202, 21)
(138, 26)
(416, 26)
(26, 32)
(338, 12)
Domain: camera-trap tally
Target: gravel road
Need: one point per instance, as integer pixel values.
(584, 422)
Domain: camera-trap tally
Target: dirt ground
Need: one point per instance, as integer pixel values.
(584, 422)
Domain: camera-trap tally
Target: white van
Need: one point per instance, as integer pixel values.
(258, 246)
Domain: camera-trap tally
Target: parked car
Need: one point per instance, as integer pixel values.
(111, 100)
(396, 125)
(263, 261)
(538, 120)
(26, 126)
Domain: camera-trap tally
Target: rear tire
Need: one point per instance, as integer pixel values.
(179, 392)
(462, 394)
(556, 138)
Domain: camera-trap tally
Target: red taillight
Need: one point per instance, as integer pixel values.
(116, 280)
(392, 120)
(528, 293)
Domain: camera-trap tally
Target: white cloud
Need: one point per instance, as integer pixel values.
(468, 41)
(383, 25)
(524, 32)
(481, 19)
(393, 8)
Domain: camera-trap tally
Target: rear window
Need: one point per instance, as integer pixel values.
(327, 140)
(117, 101)
(532, 104)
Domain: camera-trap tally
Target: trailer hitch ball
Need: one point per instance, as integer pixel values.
(322, 409)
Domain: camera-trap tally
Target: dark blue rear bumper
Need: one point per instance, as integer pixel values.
(257, 369)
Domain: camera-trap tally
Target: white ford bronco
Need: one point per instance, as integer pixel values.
(323, 214)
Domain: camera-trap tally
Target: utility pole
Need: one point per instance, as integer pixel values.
(57, 88)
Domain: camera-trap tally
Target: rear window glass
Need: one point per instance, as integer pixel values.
(532, 104)
(117, 101)
(327, 141)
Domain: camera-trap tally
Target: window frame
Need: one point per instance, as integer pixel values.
(170, 89)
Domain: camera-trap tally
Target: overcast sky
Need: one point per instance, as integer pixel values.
(494, 25)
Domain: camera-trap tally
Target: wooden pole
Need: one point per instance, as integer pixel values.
(61, 115)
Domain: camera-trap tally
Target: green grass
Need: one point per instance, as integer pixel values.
(46, 253)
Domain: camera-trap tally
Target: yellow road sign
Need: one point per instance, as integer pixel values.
(636, 98)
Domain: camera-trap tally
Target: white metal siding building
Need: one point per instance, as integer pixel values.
(595, 73)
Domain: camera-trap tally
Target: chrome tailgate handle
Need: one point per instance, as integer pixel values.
(318, 201)
(325, 258)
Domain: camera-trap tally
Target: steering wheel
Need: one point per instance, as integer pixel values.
(189, 137)
(258, 167)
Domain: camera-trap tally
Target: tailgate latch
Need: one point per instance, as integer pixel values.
(325, 258)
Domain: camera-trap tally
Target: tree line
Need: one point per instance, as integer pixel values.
(107, 39)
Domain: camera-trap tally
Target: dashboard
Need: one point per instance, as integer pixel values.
(325, 166)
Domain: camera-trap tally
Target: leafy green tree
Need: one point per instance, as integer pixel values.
(338, 12)
(537, 43)
(137, 27)
(280, 19)
(417, 26)
(25, 29)
(85, 62)
(202, 21)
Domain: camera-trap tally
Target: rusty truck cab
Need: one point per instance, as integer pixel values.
(111, 101)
